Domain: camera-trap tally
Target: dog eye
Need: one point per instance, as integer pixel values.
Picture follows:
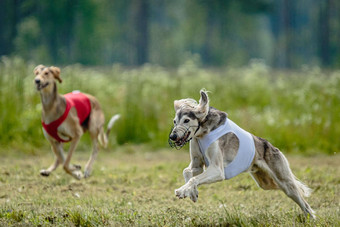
(46, 73)
(186, 121)
(174, 121)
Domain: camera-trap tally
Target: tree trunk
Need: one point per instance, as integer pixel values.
(282, 31)
(207, 46)
(324, 33)
(10, 16)
(140, 37)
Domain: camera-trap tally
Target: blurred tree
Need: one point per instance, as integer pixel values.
(87, 39)
(10, 16)
(282, 30)
(285, 33)
(219, 19)
(324, 32)
(140, 32)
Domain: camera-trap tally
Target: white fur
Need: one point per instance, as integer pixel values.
(113, 120)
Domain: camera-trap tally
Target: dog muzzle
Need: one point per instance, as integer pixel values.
(178, 142)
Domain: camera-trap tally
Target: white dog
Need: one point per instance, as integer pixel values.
(227, 150)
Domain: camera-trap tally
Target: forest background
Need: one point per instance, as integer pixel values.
(284, 33)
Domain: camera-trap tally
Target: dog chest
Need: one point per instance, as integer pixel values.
(245, 153)
(74, 99)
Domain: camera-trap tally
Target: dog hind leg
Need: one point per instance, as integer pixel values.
(97, 133)
(291, 189)
(276, 165)
(103, 136)
(263, 180)
(89, 164)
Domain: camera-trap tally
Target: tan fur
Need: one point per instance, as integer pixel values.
(54, 106)
(270, 168)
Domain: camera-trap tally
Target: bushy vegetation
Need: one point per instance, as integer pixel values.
(296, 110)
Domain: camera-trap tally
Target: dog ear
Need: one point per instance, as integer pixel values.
(188, 103)
(56, 73)
(37, 69)
(202, 109)
(177, 104)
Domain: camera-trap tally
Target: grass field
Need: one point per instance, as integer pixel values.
(133, 186)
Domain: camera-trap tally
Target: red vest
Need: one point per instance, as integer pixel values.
(74, 99)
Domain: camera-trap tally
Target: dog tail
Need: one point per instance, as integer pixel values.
(304, 189)
(103, 137)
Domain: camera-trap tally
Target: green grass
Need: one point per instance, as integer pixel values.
(135, 187)
(298, 111)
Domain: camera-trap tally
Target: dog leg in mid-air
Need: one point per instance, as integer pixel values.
(59, 157)
(196, 165)
(279, 170)
(72, 169)
(213, 173)
(89, 164)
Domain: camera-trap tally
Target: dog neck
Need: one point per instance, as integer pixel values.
(212, 121)
(53, 104)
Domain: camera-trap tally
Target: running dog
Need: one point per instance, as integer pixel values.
(226, 150)
(66, 117)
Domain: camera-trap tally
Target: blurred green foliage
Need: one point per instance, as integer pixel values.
(297, 111)
(285, 33)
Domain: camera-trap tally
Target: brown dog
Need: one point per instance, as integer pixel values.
(66, 117)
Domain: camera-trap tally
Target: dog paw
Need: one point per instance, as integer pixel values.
(187, 191)
(76, 167)
(44, 172)
(77, 174)
(87, 173)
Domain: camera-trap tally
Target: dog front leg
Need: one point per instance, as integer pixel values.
(59, 158)
(190, 172)
(73, 170)
(213, 173)
(196, 164)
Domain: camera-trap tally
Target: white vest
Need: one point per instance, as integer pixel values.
(245, 153)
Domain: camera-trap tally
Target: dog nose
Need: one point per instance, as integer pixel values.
(173, 136)
(37, 81)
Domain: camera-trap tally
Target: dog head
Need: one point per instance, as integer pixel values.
(189, 115)
(46, 76)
